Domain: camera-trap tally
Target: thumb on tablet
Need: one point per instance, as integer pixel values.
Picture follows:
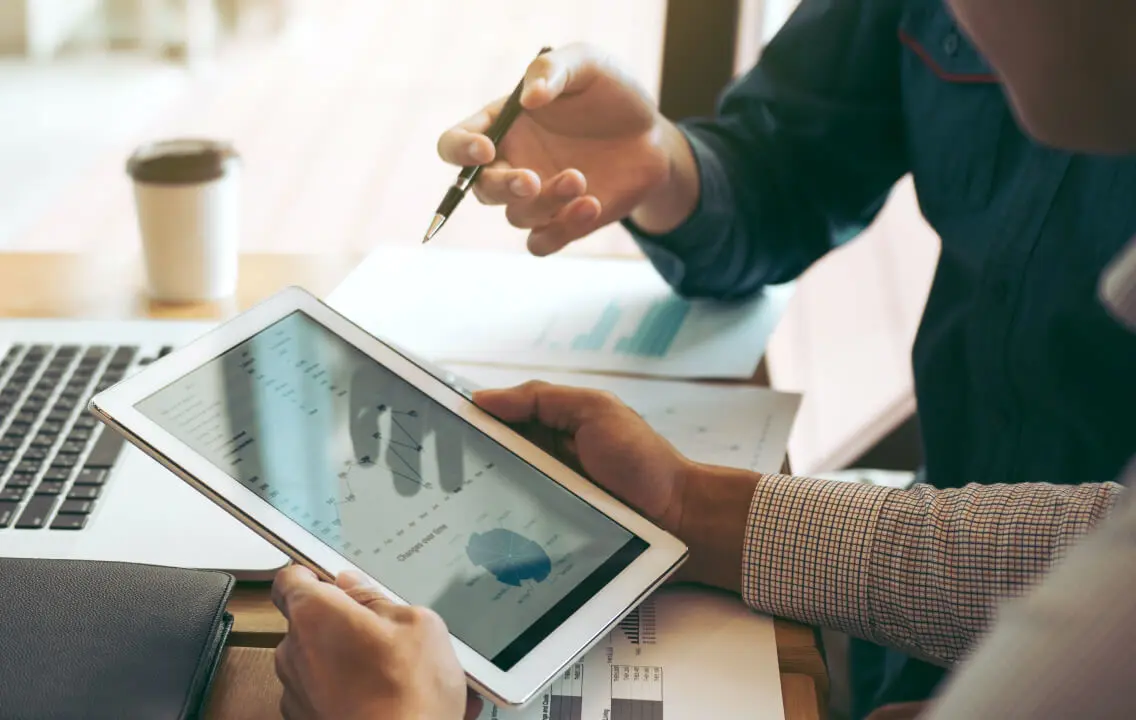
(360, 589)
(556, 406)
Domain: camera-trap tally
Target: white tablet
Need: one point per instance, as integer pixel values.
(346, 454)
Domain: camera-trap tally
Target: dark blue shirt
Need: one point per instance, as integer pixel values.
(1020, 375)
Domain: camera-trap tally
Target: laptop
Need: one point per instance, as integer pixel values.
(71, 488)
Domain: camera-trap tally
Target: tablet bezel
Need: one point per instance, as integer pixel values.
(516, 687)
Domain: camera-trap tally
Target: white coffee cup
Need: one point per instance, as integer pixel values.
(187, 194)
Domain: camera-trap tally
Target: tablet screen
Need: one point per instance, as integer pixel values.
(398, 484)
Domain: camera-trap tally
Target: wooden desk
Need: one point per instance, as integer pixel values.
(111, 286)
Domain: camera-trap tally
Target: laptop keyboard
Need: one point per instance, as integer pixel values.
(55, 457)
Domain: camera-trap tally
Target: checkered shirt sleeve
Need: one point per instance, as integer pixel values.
(920, 569)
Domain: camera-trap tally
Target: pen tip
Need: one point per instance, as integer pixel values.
(435, 226)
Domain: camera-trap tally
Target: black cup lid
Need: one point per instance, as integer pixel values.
(181, 162)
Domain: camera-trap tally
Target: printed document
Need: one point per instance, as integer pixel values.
(684, 653)
(743, 427)
(565, 313)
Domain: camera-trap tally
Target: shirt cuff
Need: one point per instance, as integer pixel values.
(714, 211)
(808, 548)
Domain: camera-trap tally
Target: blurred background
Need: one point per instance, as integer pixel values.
(336, 106)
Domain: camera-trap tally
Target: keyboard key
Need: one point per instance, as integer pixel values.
(37, 511)
(83, 492)
(44, 440)
(63, 459)
(69, 522)
(50, 487)
(7, 513)
(106, 450)
(86, 421)
(89, 476)
(76, 507)
(35, 453)
(57, 474)
(14, 494)
(6, 457)
(67, 351)
(72, 448)
(79, 435)
(122, 356)
(20, 481)
(51, 427)
(28, 467)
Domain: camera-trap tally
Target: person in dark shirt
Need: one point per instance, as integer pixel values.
(1020, 374)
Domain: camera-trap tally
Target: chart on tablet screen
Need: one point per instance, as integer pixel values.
(393, 481)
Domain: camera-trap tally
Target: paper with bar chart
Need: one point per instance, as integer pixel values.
(684, 653)
(560, 312)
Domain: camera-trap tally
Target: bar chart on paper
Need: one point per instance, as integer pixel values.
(683, 653)
(652, 335)
(636, 692)
(557, 313)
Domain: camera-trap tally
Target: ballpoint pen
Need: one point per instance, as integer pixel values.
(468, 175)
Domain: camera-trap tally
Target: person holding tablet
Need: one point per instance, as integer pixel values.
(876, 562)
(855, 556)
(1019, 374)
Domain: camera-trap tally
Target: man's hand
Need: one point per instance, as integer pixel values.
(591, 148)
(352, 654)
(707, 507)
(599, 435)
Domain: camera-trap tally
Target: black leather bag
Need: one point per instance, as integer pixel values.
(86, 639)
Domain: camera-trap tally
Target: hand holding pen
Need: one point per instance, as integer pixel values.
(584, 146)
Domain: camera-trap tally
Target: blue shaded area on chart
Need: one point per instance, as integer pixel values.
(652, 337)
(597, 337)
(657, 330)
(510, 557)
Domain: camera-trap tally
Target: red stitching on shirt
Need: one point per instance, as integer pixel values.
(918, 49)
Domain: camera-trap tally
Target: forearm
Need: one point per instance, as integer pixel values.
(726, 221)
(1067, 648)
(675, 199)
(799, 157)
(919, 569)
